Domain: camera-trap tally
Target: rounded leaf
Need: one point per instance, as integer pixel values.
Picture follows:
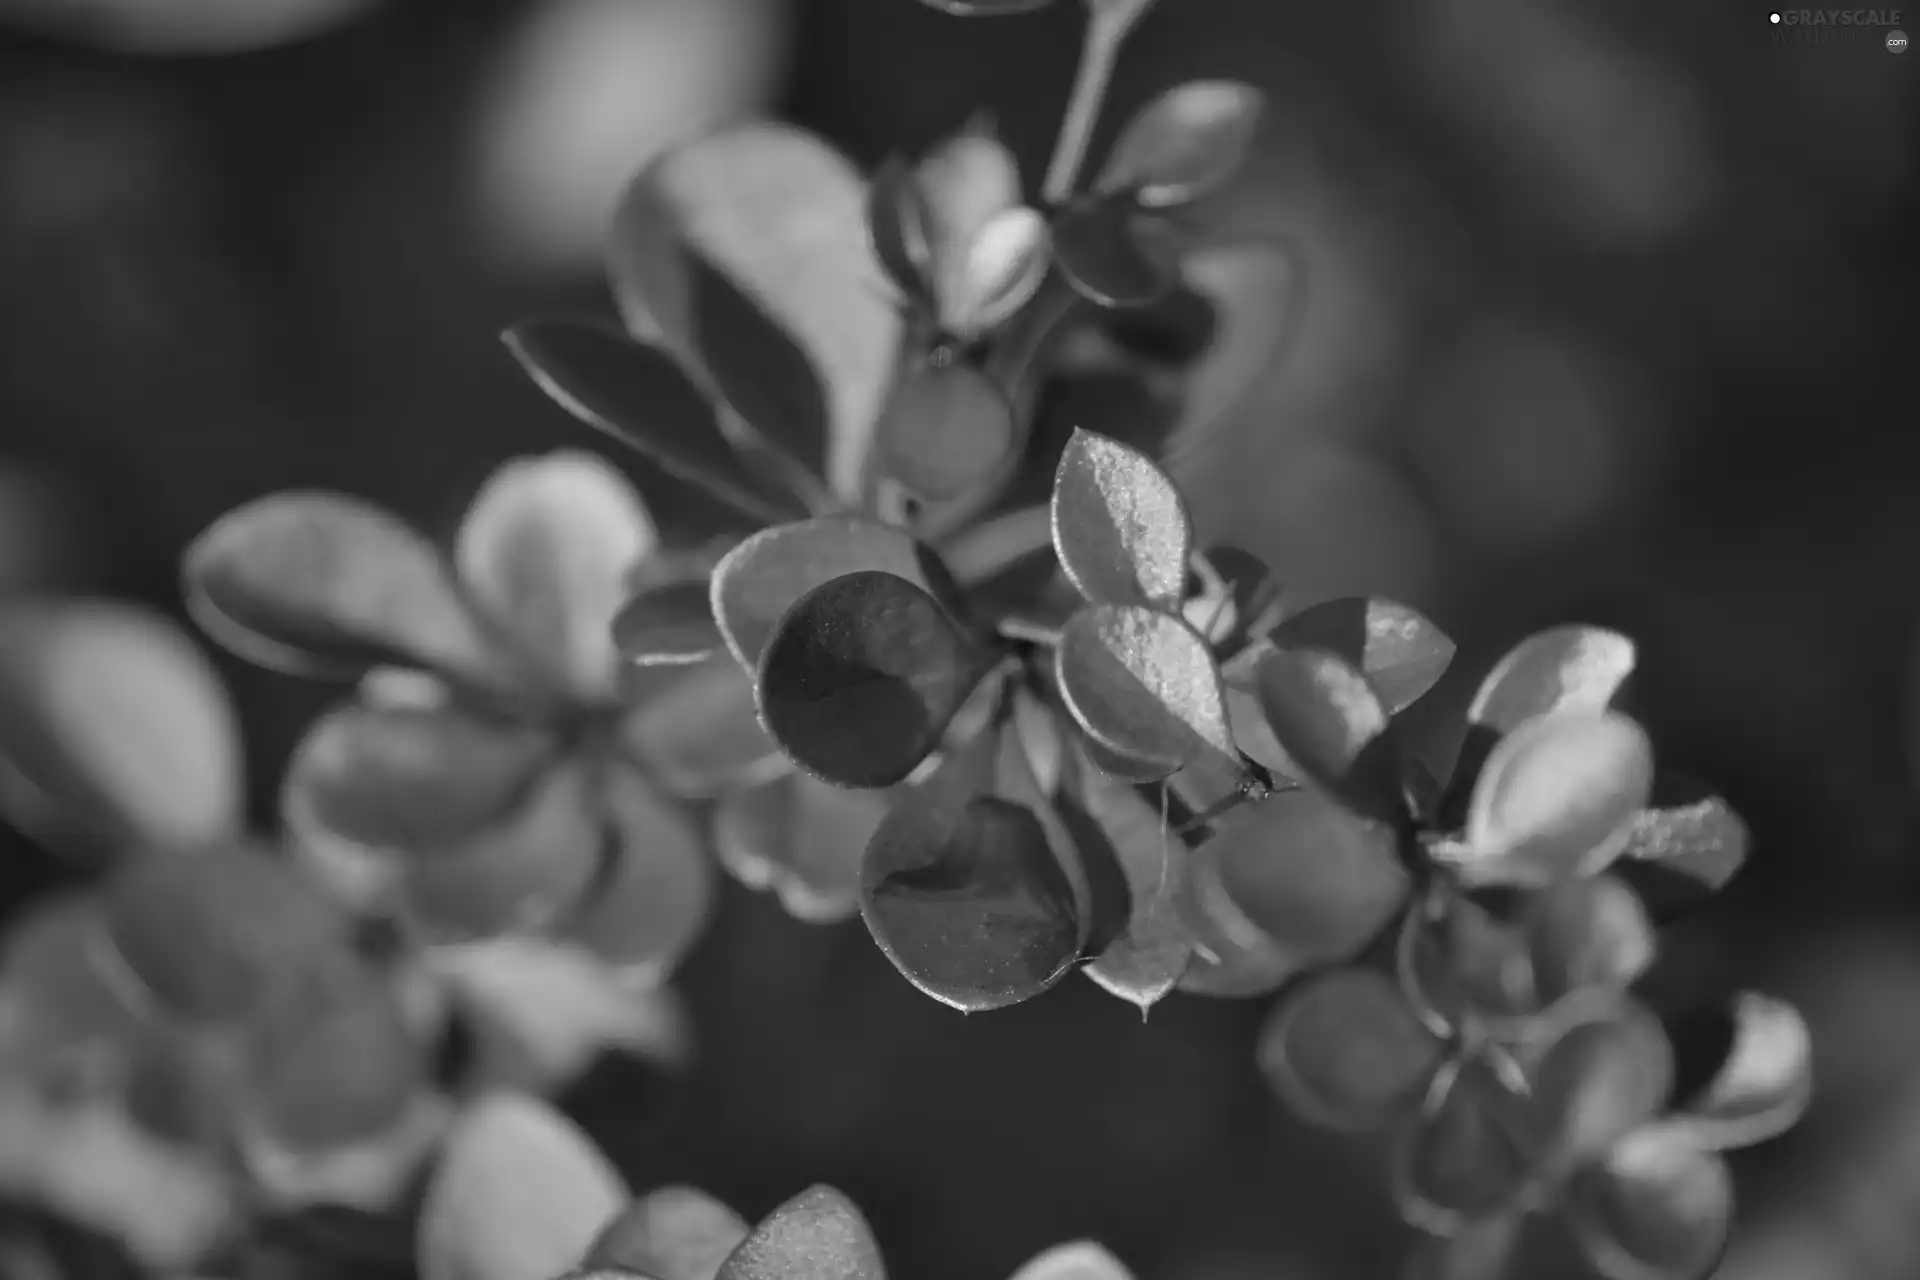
(1078, 1260)
(947, 429)
(519, 1194)
(57, 1005)
(674, 1233)
(1764, 1083)
(1470, 1155)
(1599, 1080)
(817, 1235)
(1557, 798)
(1120, 525)
(1573, 668)
(111, 712)
(1147, 960)
(1185, 143)
(1465, 965)
(1346, 1051)
(1255, 289)
(1589, 936)
(800, 838)
(669, 625)
(997, 274)
(1114, 256)
(968, 180)
(1142, 684)
(1657, 1207)
(321, 583)
(1330, 721)
(702, 734)
(861, 677)
(1400, 652)
(652, 897)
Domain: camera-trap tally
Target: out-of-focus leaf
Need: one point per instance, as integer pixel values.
(947, 428)
(899, 223)
(371, 1175)
(1113, 255)
(321, 583)
(1142, 684)
(756, 583)
(997, 274)
(1685, 851)
(111, 711)
(1318, 879)
(1465, 964)
(1145, 962)
(519, 1193)
(1255, 972)
(1078, 1260)
(1589, 935)
(652, 900)
(817, 1235)
(1656, 1208)
(1598, 1081)
(670, 625)
(674, 1233)
(963, 892)
(800, 838)
(1346, 1051)
(861, 677)
(1401, 653)
(986, 8)
(1331, 722)
(180, 1089)
(1476, 1251)
(1255, 288)
(702, 734)
(780, 215)
(759, 369)
(1184, 144)
(57, 1007)
(637, 394)
(545, 550)
(1764, 1084)
(1120, 525)
(1566, 669)
(1469, 1155)
(1557, 798)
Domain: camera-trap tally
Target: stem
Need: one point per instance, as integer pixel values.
(1029, 632)
(1107, 27)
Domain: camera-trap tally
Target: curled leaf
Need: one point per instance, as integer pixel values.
(800, 838)
(1657, 1207)
(817, 1235)
(1571, 668)
(1469, 1155)
(1764, 1083)
(997, 274)
(947, 428)
(1079, 1260)
(1142, 684)
(1185, 143)
(702, 734)
(1346, 1051)
(1120, 525)
(674, 1233)
(1114, 256)
(1331, 722)
(1146, 961)
(670, 625)
(1401, 653)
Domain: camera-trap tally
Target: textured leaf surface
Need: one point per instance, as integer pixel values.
(1185, 143)
(1589, 935)
(1345, 1050)
(1142, 684)
(800, 838)
(1703, 843)
(1120, 525)
(1656, 1208)
(1400, 652)
(817, 1235)
(947, 428)
(674, 1233)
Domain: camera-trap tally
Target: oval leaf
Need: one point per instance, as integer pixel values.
(817, 1235)
(1588, 938)
(702, 734)
(1146, 961)
(519, 1193)
(1466, 966)
(1764, 1084)
(1120, 525)
(1657, 1208)
(1255, 289)
(968, 179)
(1346, 1051)
(800, 838)
(947, 429)
(861, 677)
(674, 1233)
(1331, 722)
(670, 625)
(1079, 1260)
(1401, 653)
(1563, 669)
(1599, 1080)
(999, 272)
(1185, 143)
(1142, 684)
(1112, 255)
(1469, 1155)
(654, 893)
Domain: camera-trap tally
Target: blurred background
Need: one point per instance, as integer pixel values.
(1606, 306)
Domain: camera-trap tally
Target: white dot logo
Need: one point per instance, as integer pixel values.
(1896, 42)
(1774, 18)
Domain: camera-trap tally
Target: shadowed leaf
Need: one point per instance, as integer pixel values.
(800, 838)
(1656, 1207)
(1401, 653)
(817, 1235)
(899, 223)
(1332, 724)
(1114, 256)
(674, 1233)
(1254, 972)
(1120, 525)
(1184, 144)
(1346, 1051)
(947, 428)
(1142, 684)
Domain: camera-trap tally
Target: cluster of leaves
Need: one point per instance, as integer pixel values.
(520, 1192)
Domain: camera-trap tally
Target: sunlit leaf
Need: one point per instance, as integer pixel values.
(674, 1233)
(1332, 724)
(1346, 1051)
(702, 734)
(861, 677)
(110, 711)
(1571, 668)
(1589, 935)
(1557, 798)
(1318, 879)
(965, 895)
(1184, 144)
(1401, 653)
(1145, 962)
(1469, 1155)
(1079, 1260)
(758, 581)
(817, 1235)
(1113, 255)
(997, 274)
(780, 215)
(947, 428)
(670, 625)
(1599, 1080)
(1763, 1085)
(545, 550)
(653, 896)
(800, 838)
(899, 223)
(519, 1193)
(323, 583)
(1684, 851)
(1142, 684)
(1255, 289)
(986, 8)
(1656, 1208)
(1120, 525)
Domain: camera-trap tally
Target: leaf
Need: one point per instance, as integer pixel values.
(1656, 1208)
(817, 1235)
(1186, 143)
(702, 734)
(1333, 725)
(654, 894)
(674, 1233)
(1120, 525)
(1317, 879)
(759, 369)
(1764, 1083)
(1147, 960)
(636, 393)
(1466, 965)
(369, 1176)
(1112, 255)
(1142, 684)
(986, 8)
(998, 273)
(1599, 1080)
(1686, 850)
(1345, 1051)
(111, 712)
(964, 894)
(1254, 972)
(545, 551)
(781, 216)
(1255, 289)
(900, 225)
(1470, 1153)
(1401, 653)
(670, 625)
(519, 1194)
(800, 838)
(947, 429)
(1557, 798)
(1476, 1251)
(755, 584)
(860, 679)
(320, 583)
(1078, 1260)
(1588, 937)
(58, 1009)
(1559, 670)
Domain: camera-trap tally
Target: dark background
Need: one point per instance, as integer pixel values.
(1610, 317)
